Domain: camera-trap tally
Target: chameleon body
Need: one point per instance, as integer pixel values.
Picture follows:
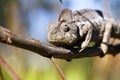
(81, 27)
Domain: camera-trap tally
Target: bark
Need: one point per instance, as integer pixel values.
(46, 50)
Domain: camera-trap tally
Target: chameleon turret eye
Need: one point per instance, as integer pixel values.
(66, 29)
(63, 20)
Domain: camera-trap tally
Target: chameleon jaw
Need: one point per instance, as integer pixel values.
(66, 39)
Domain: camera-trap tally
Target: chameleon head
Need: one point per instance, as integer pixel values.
(62, 33)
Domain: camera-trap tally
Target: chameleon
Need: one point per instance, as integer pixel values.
(81, 27)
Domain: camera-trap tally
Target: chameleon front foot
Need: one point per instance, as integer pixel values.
(81, 50)
(104, 47)
(84, 45)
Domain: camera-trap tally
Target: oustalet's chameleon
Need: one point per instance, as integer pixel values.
(81, 27)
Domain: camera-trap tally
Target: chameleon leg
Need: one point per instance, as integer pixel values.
(87, 40)
(106, 38)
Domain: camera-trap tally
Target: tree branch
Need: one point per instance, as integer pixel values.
(8, 37)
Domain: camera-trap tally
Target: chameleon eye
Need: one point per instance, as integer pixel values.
(66, 29)
(62, 21)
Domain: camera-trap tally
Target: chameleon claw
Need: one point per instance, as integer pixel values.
(104, 47)
(81, 50)
(83, 46)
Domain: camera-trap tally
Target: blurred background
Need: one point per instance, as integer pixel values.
(31, 18)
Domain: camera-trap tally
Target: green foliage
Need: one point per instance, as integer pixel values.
(5, 75)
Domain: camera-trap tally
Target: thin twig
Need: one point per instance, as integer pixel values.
(9, 69)
(1, 74)
(58, 68)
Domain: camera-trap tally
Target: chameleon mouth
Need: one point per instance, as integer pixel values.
(68, 39)
(59, 43)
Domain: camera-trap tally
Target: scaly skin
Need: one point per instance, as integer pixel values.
(81, 27)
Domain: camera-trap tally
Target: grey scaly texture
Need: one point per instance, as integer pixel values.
(81, 27)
